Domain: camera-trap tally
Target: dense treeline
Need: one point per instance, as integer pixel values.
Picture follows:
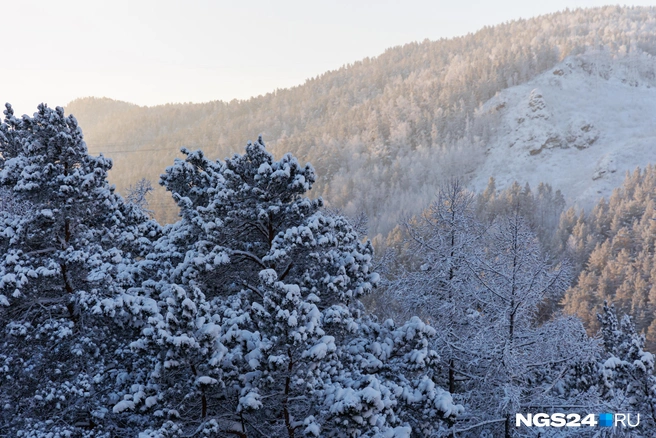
(500, 271)
(261, 310)
(609, 250)
(474, 268)
(542, 210)
(407, 119)
(244, 318)
(615, 244)
(241, 319)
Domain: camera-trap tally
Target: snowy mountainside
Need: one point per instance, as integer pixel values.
(579, 126)
(386, 132)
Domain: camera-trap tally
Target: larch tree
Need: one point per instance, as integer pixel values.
(526, 361)
(441, 240)
(616, 242)
(484, 286)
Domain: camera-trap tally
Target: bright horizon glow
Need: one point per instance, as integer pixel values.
(156, 52)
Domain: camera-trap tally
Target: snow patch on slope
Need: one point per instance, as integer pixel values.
(579, 126)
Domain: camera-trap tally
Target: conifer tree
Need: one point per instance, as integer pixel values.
(617, 242)
(252, 319)
(627, 372)
(485, 287)
(70, 249)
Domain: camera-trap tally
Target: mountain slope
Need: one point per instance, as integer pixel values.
(382, 133)
(580, 126)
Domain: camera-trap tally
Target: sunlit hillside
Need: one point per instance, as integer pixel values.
(382, 133)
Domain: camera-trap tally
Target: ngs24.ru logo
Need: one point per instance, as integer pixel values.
(575, 420)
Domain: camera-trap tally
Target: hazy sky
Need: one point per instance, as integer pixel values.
(153, 52)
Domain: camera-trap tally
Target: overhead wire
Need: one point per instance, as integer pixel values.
(101, 148)
(161, 207)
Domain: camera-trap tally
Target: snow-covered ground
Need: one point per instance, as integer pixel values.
(579, 126)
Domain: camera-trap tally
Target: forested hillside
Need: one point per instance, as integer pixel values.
(615, 246)
(254, 304)
(384, 132)
(245, 316)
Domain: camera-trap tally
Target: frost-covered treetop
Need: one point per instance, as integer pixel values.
(250, 213)
(254, 176)
(34, 149)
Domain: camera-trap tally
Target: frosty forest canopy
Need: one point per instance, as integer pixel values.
(244, 318)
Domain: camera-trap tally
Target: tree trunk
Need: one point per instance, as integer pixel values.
(452, 377)
(285, 405)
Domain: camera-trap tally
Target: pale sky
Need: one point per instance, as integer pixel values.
(154, 52)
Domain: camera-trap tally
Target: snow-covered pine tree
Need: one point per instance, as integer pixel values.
(257, 328)
(71, 248)
(10, 205)
(627, 372)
